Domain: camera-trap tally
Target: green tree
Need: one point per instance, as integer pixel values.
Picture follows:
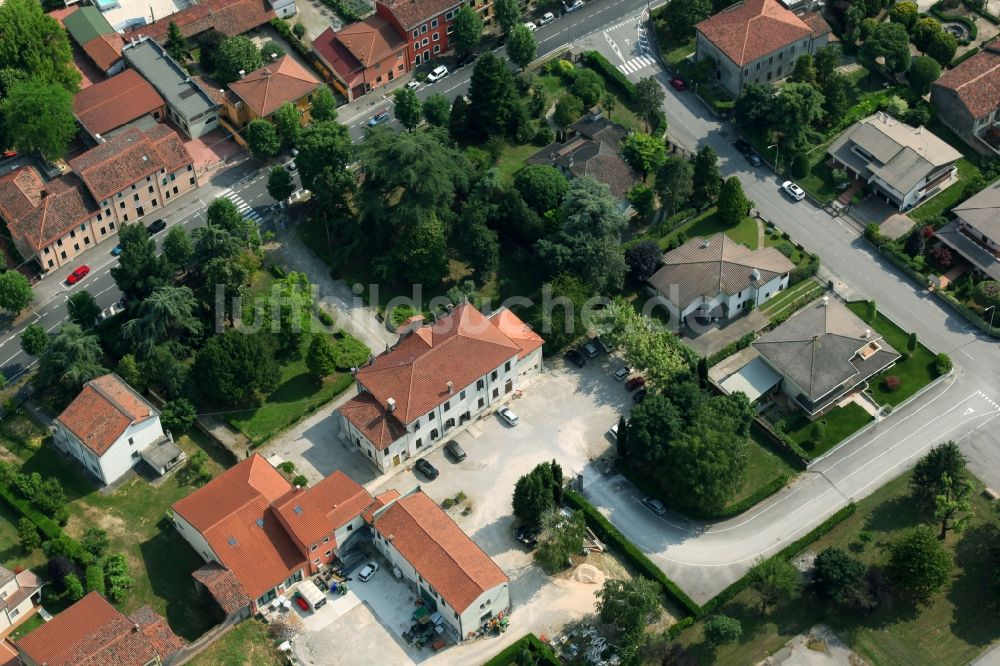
(350, 353)
(559, 538)
(119, 582)
(733, 204)
(706, 178)
(924, 30)
(262, 138)
(495, 107)
(826, 60)
(467, 30)
(871, 312)
(169, 313)
(178, 415)
(798, 109)
(627, 604)
(15, 292)
(279, 183)
(905, 13)
(320, 359)
(27, 535)
(754, 104)
(128, 370)
(889, 41)
(234, 368)
(537, 492)
(36, 45)
(569, 108)
(588, 85)
(621, 441)
(39, 116)
(166, 371)
(675, 183)
(287, 124)
(923, 72)
(942, 46)
(942, 363)
(208, 47)
(839, 577)
(817, 433)
(919, 564)
(422, 248)
(657, 353)
(836, 96)
(34, 339)
(95, 541)
(407, 107)
(83, 309)
(680, 16)
(944, 459)
(436, 109)
(178, 248)
(521, 45)
(71, 359)
(325, 150)
(911, 343)
(643, 152)
(236, 57)
(508, 14)
(722, 630)
(481, 246)
(271, 51)
(953, 507)
(648, 97)
(324, 105)
(73, 586)
(542, 187)
(804, 70)
(176, 45)
(773, 579)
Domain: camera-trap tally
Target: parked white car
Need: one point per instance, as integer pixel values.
(413, 85)
(437, 74)
(531, 26)
(547, 17)
(508, 415)
(793, 190)
(613, 432)
(575, 5)
(368, 571)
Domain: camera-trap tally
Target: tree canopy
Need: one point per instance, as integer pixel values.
(15, 292)
(39, 116)
(944, 459)
(707, 179)
(233, 368)
(467, 29)
(324, 105)
(733, 204)
(680, 16)
(773, 579)
(542, 187)
(235, 55)
(262, 138)
(521, 45)
(923, 72)
(35, 44)
(71, 358)
(407, 108)
(675, 183)
(643, 152)
(279, 183)
(627, 604)
(536, 492)
(140, 269)
(919, 564)
(495, 107)
(889, 41)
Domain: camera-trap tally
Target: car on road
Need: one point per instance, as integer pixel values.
(793, 190)
(654, 505)
(427, 469)
(621, 373)
(576, 4)
(379, 118)
(437, 74)
(7, 154)
(368, 571)
(413, 85)
(635, 382)
(613, 432)
(640, 395)
(743, 146)
(527, 536)
(590, 349)
(157, 227)
(576, 358)
(530, 26)
(547, 17)
(110, 311)
(78, 274)
(754, 159)
(678, 83)
(455, 450)
(116, 250)
(508, 415)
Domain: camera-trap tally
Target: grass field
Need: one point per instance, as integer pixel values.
(27, 627)
(946, 200)
(11, 554)
(959, 623)
(914, 373)
(708, 223)
(246, 645)
(840, 423)
(805, 289)
(159, 559)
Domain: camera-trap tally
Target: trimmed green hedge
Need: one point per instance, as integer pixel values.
(731, 349)
(967, 22)
(782, 445)
(95, 579)
(610, 73)
(615, 539)
(968, 313)
(48, 527)
(965, 56)
(542, 652)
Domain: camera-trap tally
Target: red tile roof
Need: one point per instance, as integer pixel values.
(313, 513)
(221, 583)
(976, 82)
(411, 13)
(816, 23)
(751, 30)
(102, 412)
(105, 50)
(381, 500)
(159, 634)
(375, 423)
(439, 550)
(358, 45)
(230, 17)
(92, 632)
(459, 348)
(38, 213)
(515, 329)
(267, 88)
(8, 655)
(339, 58)
(233, 512)
(114, 102)
(114, 165)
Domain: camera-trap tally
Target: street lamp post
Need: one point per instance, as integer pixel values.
(994, 309)
(777, 148)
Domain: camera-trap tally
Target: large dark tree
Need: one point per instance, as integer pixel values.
(325, 150)
(680, 16)
(542, 187)
(926, 482)
(407, 108)
(467, 30)
(675, 183)
(83, 309)
(436, 109)
(234, 368)
(140, 269)
(235, 55)
(537, 492)
(754, 105)
(72, 358)
(495, 107)
(919, 564)
(889, 41)
(39, 116)
(840, 577)
(36, 45)
(643, 260)
(707, 179)
(648, 99)
(521, 46)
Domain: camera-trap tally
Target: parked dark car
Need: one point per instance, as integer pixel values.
(635, 382)
(526, 536)
(455, 450)
(742, 145)
(575, 356)
(639, 395)
(754, 159)
(157, 227)
(427, 469)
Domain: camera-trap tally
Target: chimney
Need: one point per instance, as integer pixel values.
(274, 56)
(595, 112)
(390, 405)
(451, 387)
(755, 274)
(243, 73)
(705, 242)
(868, 332)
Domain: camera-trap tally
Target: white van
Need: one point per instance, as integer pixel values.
(312, 594)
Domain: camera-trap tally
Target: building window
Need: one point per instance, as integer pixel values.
(496, 393)
(122, 205)
(449, 30)
(51, 263)
(430, 416)
(125, 217)
(350, 528)
(435, 36)
(135, 454)
(133, 186)
(326, 539)
(437, 48)
(63, 254)
(120, 194)
(416, 34)
(175, 189)
(86, 240)
(150, 189)
(76, 246)
(135, 197)
(423, 42)
(493, 375)
(191, 168)
(480, 384)
(447, 405)
(100, 216)
(434, 23)
(111, 225)
(154, 203)
(461, 396)
(104, 231)
(506, 367)
(59, 242)
(434, 434)
(420, 442)
(313, 547)
(72, 233)
(191, 180)
(328, 553)
(107, 212)
(104, 203)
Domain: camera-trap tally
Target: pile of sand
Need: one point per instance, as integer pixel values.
(588, 573)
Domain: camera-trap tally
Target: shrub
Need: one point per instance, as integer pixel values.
(60, 566)
(324, 317)
(28, 535)
(722, 629)
(942, 363)
(118, 581)
(95, 579)
(800, 165)
(612, 75)
(287, 467)
(350, 353)
(987, 293)
(95, 541)
(891, 383)
(544, 136)
(300, 481)
(73, 586)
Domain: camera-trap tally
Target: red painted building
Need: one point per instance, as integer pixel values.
(426, 24)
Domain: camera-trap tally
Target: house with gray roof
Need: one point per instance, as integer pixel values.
(823, 353)
(904, 165)
(975, 234)
(717, 278)
(189, 106)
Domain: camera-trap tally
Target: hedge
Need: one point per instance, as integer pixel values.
(965, 56)
(45, 525)
(616, 540)
(786, 553)
(782, 444)
(95, 579)
(542, 652)
(982, 12)
(611, 74)
(968, 23)
(968, 313)
(731, 349)
(285, 31)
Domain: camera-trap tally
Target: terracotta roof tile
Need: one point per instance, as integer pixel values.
(410, 13)
(114, 165)
(91, 632)
(221, 583)
(439, 550)
(976, 82)
(459, 348)
(159, 634)
(312, 513)
(39, 213)
(267, 88)
(367, 415)
(105, 50)
(103, 410)
(367, 42)
(751, 30)
(230, 17)
(114, 102)
(816, 23)
(380, 500)
(515, 329)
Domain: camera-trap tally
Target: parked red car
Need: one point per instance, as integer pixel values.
(635, 382)
(303, 604)
(678, 83)
(9, 153)
(78, 274)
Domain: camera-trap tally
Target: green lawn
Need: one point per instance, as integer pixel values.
(27, 627)
(11, 554)
(677, 53)
(805, 289)
(841, 422)
(957, 625)
(914, 373)
(819, 182)
(246, 645)
(555, 88)
(946, 200)
(709, 223)
(159, 559)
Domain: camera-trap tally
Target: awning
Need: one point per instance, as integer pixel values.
(754, 379)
